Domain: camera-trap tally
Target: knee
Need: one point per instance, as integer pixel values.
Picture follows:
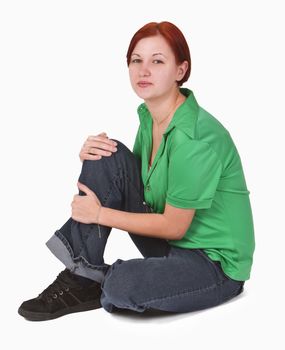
(122, 155)
(121, 148)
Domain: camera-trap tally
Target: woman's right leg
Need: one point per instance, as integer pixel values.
(117, 182)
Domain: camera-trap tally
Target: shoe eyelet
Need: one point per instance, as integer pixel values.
(66, 289)
(60, 292)
(54, 295)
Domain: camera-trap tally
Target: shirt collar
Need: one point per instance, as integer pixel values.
(184, 118)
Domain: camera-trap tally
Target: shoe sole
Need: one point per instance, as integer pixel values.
(40, 316)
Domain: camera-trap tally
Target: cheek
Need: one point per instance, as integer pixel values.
(132, 74)
(166, 77)
(133, 79)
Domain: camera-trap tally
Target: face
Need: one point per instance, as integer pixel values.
(153, 70)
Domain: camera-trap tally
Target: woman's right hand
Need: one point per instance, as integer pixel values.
(97, 146)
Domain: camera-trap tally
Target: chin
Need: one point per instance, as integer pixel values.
(145, 95)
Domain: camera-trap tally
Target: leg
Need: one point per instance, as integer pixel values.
(186, 280)
(117, 182)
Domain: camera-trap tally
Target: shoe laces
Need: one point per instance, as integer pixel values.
(60, 285)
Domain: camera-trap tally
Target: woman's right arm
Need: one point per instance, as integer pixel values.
(97, 146)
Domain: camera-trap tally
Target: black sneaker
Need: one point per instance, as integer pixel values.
(64, 296)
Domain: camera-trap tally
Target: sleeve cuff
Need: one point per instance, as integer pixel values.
(185, 204)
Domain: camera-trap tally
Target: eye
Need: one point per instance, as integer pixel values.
(157, 61)
(136, 60)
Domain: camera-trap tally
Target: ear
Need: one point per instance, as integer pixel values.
(181, 70)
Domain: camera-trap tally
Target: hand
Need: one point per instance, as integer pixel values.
(97, 146)
(85, 208)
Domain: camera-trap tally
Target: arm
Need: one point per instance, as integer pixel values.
(172, 224)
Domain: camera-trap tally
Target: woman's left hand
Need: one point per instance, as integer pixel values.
(85, 208)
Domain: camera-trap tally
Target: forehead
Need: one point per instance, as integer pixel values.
(151, 45)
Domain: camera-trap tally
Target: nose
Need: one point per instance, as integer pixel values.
(144, 71)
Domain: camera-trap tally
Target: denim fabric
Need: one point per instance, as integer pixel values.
(185, 280)
(166, 278)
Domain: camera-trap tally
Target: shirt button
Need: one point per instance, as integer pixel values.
(147, 187)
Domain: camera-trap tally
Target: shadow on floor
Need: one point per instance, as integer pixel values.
(165, 316)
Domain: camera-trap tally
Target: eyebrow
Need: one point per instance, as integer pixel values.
(155, 54)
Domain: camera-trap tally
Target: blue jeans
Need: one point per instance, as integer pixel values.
(166, 278)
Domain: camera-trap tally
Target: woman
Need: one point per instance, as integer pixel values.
(181, 195)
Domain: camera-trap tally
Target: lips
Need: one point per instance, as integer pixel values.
(144, 84)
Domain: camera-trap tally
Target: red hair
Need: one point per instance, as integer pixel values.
(174, 38)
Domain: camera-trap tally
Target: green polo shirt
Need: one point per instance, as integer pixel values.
(198, 166)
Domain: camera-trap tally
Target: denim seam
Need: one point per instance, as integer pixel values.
(148, 208)
(153, 300)
(106, 197)
(103, 202)
(194, 291)
(142, 198)
(80, 258)
(65, 242)
(129, 180)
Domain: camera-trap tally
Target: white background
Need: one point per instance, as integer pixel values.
(63, 76)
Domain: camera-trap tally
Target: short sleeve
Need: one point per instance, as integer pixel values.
(138, 145)
(193, 175)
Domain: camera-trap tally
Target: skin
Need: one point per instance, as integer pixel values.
(97, 146)
(153, 73)
(153, 61)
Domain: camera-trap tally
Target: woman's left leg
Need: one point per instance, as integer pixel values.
(185, 280)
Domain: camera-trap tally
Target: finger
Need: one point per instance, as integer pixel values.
(98, 148)
(87, 156)
(94, 137)
(102, 141)
(95, 152)
(84, 189)
(101, 152)
(99, 141)
(107, 146)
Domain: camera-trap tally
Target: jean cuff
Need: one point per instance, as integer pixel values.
(59, 246)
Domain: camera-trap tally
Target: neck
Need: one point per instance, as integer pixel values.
(163, 108)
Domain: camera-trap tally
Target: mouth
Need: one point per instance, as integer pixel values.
(144, 84)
